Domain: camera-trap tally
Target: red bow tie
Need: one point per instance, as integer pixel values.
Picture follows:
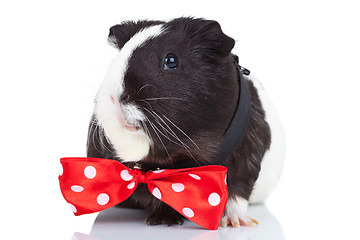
(93, 184)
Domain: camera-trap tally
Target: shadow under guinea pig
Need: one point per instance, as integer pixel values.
(119, 223)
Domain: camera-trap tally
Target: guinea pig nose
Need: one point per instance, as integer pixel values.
(124, 98)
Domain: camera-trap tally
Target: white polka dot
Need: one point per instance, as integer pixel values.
(225, 179)
(214, 199)
(194, 176)
(125, 175)
(77, 188)
(178, 187)
(159, 171)
(73, 208)
(188, 212)
(90, 172)
(61, 170)
(103, 199)
(131, 185)
(156, 192)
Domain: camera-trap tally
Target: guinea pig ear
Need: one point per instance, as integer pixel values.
(211, 39)
(121, 33)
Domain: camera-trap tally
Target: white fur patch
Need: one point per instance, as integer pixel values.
(236, 206)
(235, 212)
(129, 145)
(273, 161)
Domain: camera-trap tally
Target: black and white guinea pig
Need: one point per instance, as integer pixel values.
(169, 96)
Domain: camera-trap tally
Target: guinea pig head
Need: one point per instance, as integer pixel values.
(170, 93)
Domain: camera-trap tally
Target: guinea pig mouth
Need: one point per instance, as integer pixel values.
(128, 115)
(132, 127)
(126, 118)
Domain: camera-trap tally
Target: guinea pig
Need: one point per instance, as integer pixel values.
(167, 100)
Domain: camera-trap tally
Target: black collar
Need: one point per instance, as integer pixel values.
(235, 132)
(239, 124)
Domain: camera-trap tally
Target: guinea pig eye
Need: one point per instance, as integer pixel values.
(171, 61)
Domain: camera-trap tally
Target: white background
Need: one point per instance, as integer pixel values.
(54, 54)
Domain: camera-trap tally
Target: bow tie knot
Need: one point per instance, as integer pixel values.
(140, 176)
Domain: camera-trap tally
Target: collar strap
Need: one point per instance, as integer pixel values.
(239, 124)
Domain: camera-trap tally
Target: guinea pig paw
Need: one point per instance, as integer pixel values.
(169, 219)
(237, 221)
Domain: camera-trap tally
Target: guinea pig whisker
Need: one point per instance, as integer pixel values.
(146, 103)
(91, 134)
(102, 136)
(98, 136)
(164, 98)
(156, 117)
(152, 125)
(172, 134)
(146, 129)
(106, 138)
(186, 147)
(146, 85)
(165, 135)
(181, 131)
(94, 135)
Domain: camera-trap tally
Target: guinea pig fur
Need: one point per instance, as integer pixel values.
(169, 96)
